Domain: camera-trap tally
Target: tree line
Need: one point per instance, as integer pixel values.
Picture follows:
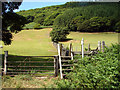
(96, 17)
(71, 16)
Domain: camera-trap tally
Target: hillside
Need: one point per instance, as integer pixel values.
(46, 16)
(31, 42)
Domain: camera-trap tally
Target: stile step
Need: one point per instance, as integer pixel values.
(65, 60)
(64, 74)
(65, 56)
(67, 65)
(67, 69)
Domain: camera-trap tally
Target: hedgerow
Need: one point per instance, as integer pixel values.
(98, 71)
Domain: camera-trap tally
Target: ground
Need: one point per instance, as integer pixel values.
(90, 38)
(38, 42)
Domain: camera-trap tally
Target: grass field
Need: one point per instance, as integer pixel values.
(32, 42)
(32, 24)
(38, 42)
(92, 38)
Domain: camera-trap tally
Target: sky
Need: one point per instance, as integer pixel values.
(33, 5)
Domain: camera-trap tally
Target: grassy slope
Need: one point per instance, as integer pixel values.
(31, 42)
(91, 38)
(37, 42)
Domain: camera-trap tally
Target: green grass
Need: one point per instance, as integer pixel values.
(92, 38)
(38, 42)
(27, 81)
(31, 43)
(31, 26)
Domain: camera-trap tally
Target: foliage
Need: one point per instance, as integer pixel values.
(40, 19)
(29, 25)
(98, 71)
(108, 10)
(50, 19)
(64, 15)
(11, 20)
(37, 26)
(59, 34)
(76, 22)
(117, 26)
(30, 18)
(95, 24)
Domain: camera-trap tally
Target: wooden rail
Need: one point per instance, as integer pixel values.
(23, 67)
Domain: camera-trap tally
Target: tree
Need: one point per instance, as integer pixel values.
(11, 22)
(95, 24)
(76, 21)
(59, 33)
(37, 26)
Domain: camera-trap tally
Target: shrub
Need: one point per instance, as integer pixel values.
(90, 11)
(59, 34)
(37, 26)
(95, 24)
(50, 19)
(98, 71)
(117, 26)
(40, 18)
(76, 21)
(30, 18)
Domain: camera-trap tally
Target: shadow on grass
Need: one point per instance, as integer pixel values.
(68, 39)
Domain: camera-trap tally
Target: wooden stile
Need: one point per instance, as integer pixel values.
(71, 52)
(59, 53)
(88, 47)
(5, 62)
(70, 46)
(56, 65)
(99, 45)
(82, 45)
(103, 46)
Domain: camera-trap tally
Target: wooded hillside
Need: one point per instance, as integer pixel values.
(46, 15)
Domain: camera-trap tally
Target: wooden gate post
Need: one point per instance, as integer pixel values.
(99, 45)
(103, 46)
(70, 47)
(5, 62)
(56, 65)
(82, 46)
(61, 49)
(71, 53)
(59, 53)
(89, 47)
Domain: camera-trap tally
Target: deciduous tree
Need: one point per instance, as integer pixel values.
(11, 22)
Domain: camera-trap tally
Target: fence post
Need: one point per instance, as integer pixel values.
(99, 45)
(59, 52)
(82, 45)
(5, 62)
(103, 46)
(89, 47)
(56, 65)
(60, 49)
(71, 49)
